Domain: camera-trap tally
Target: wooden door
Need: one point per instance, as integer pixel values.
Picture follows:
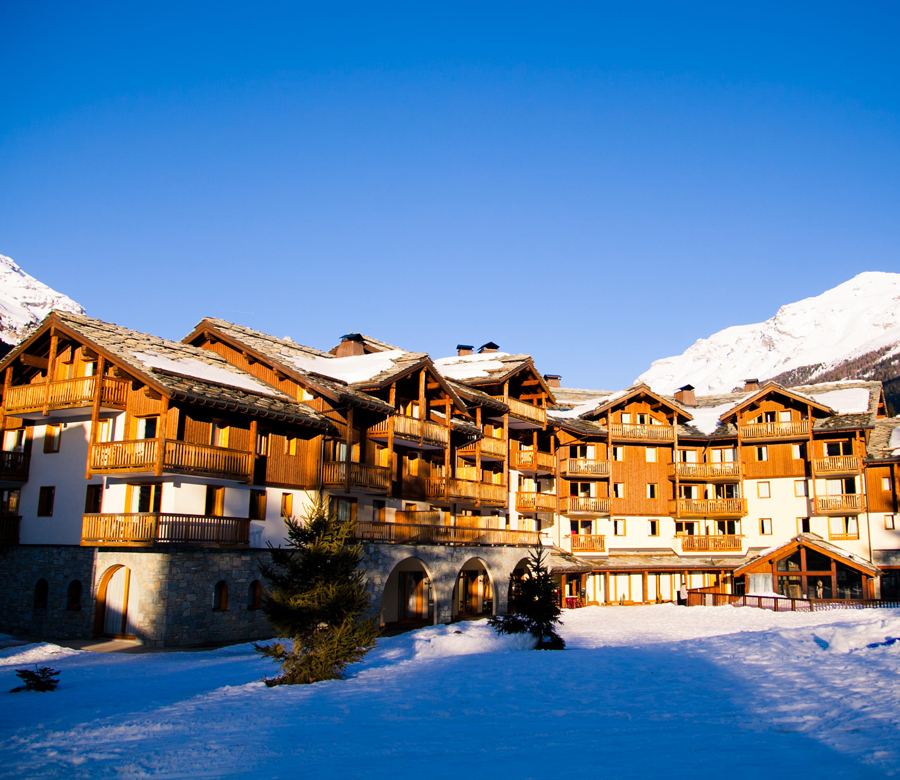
(115, 615)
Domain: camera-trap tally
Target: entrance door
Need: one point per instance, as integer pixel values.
(413, 596)
(115, 614)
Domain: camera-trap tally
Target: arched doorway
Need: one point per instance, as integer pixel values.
(408, 598)
(515, 581)
(116, 603)
(473, 594)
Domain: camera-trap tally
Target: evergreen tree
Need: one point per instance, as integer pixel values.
(315, 596)
(537, 610)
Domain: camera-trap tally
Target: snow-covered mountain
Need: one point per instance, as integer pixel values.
(851, 331)
(24, 301)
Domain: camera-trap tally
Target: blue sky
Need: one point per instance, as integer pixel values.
(600, 184)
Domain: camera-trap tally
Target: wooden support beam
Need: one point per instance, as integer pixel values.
(161, 435)
(51, 361)
(254, 448)
(95, 413)
(348, 458)
(33, 361)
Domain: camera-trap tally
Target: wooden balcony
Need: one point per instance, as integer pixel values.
(642, 432)
(795, 429)
(403, 533)
(147, 529)
(587, 543)
(411, 429)
(535, 502)
(363, 477)
(707, 472)
(451, 489)
(65, 394)
(178, 456)
(584, 505)
(584, 468)
(14, 466)
(490, 448)
(9, 529)
(710, 507)
(422, 517)
(711, 543)
(849, 504)
(534, 461)
(836, 466)
(524, 411)
(492, 494)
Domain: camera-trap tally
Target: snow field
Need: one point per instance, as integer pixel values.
(659, 690)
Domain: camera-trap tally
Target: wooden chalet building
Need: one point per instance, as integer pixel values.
(142, 480)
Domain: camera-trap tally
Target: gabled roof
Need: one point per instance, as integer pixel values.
(772, 387)
(475, 397)
(884, 441)
(176, 370)
(814, 542)
(615, 399)
(489, 368)
(369, 344)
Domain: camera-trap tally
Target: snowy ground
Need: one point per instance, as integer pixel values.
(665, 690)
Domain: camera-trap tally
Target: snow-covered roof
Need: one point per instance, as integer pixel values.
(197, 369)
(353, 369)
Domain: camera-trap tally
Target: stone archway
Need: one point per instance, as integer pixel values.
(516, 576)
(473, 592)
(408, 598)
(116, 596)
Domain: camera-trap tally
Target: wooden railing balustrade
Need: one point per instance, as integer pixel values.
(525, 411)
(588, 505)
(706, 470)
(584, 467)
(403, 533)
(837, 464)
(533, 460)
(65, 394)
(14, 466)
(451, 488)
(587, 543)
(529, 501)
(362, 476)
(159, 528)
(493, 494)
(9, 529)
(490, 447)
(775, 430)
(180, 456)
(412, 428)
(711, 543)
(853, 503)
(644, 432)
(421, 517)
(709, 597)
(708, 507)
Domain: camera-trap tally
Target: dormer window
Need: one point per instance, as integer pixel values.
(785, 416)
(146, 428)
(626, 418)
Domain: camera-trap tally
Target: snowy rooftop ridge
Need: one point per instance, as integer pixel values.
(197, 369)
(353, 369)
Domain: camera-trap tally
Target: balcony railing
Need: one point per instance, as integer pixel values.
(840, 505)
(584, 467)
(584, 505)
(587, 543)
(421, 517)
(644, 432)
(776, 430)
(14, 466)
(711, 543)
(496, 495)
(535, 502)
(363, 477)
(525, 411)
(412, 429)
(533, 460)
(837, 464)
(710, 507)
(157, 528)
(9, 529)
(65, 394)
(490, 448)
(451, 489)
(179, 456)
(402, 533)
(706, 471)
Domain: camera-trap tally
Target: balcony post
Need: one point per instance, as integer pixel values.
(161, 435)
(675, 453)
(51, 365)
(7, 382)
(390, 439)
(811, 457)
(95, 414)
(254, 434)
(348, 455)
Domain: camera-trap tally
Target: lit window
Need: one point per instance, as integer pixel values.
(287, 504)
(763, 490)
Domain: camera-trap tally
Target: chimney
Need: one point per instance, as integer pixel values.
(350, 346)
(751, 385)
(464, 349)
(489, 347)
(552, 380)
(685, 395)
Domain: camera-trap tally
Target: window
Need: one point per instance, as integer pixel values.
(45, 501)
(762, 454)
(220, 435)
(220, 597)
(254, 596)
(41, 594)
(93, 499)
(689, 492)
(618, 528)
(626, 418)
(618, 453)
(149, 498)
(104, 431)
(287, 504)
(654, 528)
(889, 522)
(618, 490)
(262, 444)
(14, 441)
(800, 488)
(650, 454)
(9, 502)
(146, 428)
(290, 446)
(257, 505)
(763, 490)
(51, 438)
(642, 419)
(343, 509)
(843, 528)
(885, 483)
(651, 490)
(798, 451)
(784, 416)
(803, 525)
(685, 528)
(379, 510)
(765, 526)
(73, 596)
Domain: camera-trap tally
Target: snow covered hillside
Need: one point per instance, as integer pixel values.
(657, 691)
(818, 339)
(25, 301)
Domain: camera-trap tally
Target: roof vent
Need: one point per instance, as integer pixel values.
(751, 385)
(685, 396)
(350, 346)
(464, 349)
(553, 380)
(489, 347)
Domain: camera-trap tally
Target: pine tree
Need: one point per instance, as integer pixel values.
(537, 610)
(315, 595)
